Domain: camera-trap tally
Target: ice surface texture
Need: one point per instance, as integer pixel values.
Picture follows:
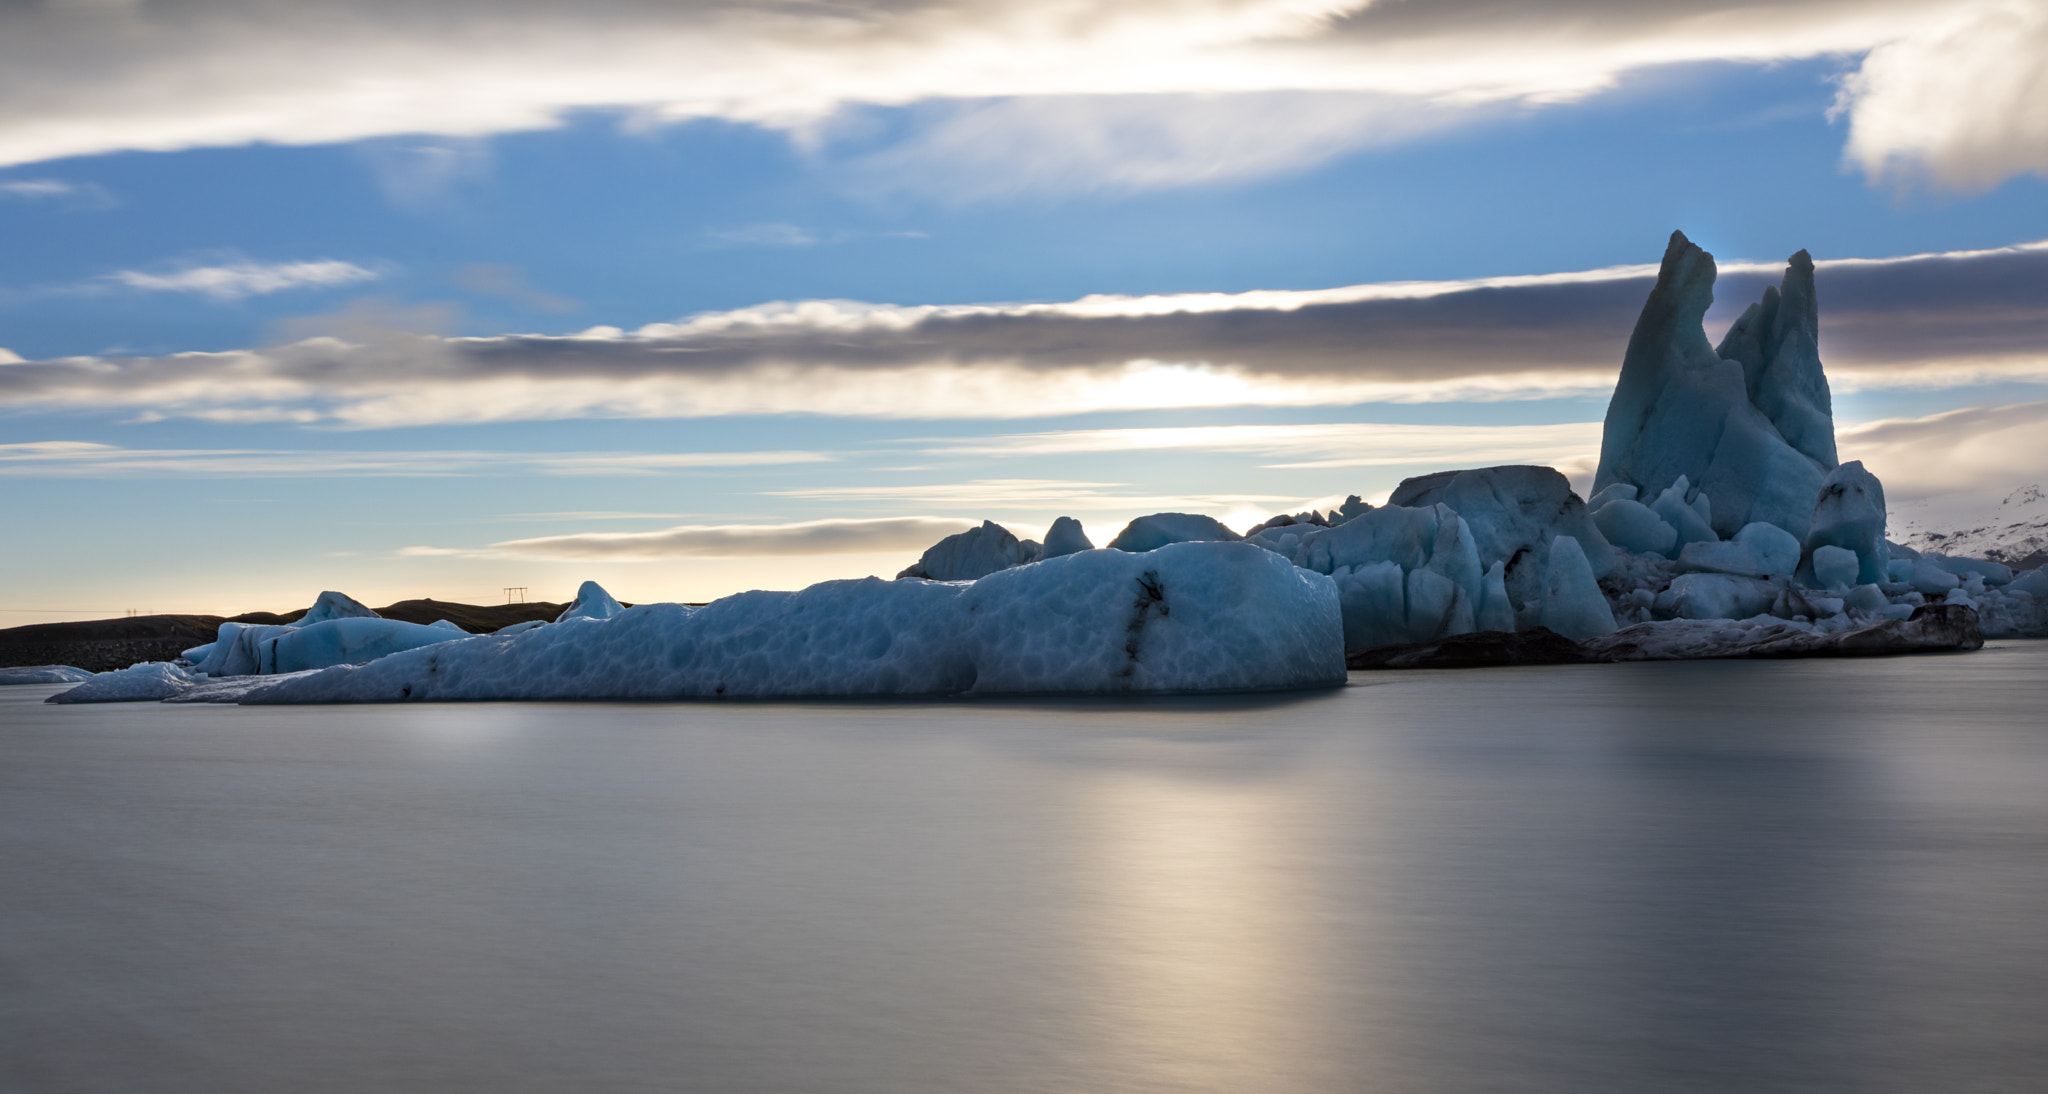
(1515, 512)
(1187, 617)
(1750, 424)
(147, 681)
(1402, 574)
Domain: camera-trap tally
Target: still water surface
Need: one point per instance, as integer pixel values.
(1712, 877)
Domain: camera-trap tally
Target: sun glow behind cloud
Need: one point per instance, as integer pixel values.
(1035, 94)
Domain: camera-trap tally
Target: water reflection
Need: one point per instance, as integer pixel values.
(1792, 877)
(1202, 933)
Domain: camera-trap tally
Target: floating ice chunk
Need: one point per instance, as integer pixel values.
(333, 605)
(1898, 570)
(1776, 550)
(1719, 558)
(1373, 600)
(1958, 596)
(1383, 607)
(237, 649)
(1716, 596)
(2032, 582)
(447, 625)
(1064, 538)
(146, 682)
(1573, 605)
(1614, 491)
(1929, 578)
(975, 553)
(1849, 512)
(1184, 617)
(198, 653)
(1632, 526)
(1159, 529)
(1515, 513)
(1866, 598)
(351, 642)
(43, 674)
(1992, 573)
(1835, 567)
(591, 602)
(1826, 605)
(1681, 515)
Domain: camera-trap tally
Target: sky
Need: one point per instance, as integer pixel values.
(689, 298)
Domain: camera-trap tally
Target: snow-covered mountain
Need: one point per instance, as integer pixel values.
(2016, 533)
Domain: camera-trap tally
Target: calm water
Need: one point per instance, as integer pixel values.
(1715, 877)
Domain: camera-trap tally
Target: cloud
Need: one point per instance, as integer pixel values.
(1974, 450)
(815, 537)
(762, 235)
(82, 79)
(1922, 320)
(977, 150)
(1313, 446)
(69, 196)
(984, 495)
(1959, 105)
(237, 280)
(791, 235)
(76, 459)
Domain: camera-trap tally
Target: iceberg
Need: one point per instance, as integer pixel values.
(147, 681)
(335, 630)
(1159, 529)
(1848, 512)
(1632, 526)
(591, 602)
(1402, 574)
(1515, 513)
(43, 674)
(1572, 603)
(348, 641)
(1064, 538)
(975, 553)
(1749, 423)
(1193, 616)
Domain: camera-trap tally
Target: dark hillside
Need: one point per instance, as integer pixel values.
(102, 644)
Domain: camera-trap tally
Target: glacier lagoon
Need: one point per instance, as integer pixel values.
(1765, 876)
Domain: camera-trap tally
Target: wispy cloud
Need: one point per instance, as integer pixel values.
(815, 537)
(92, 459)
(987, 495)
(1311, 446)
(790, 235)
(1922, 320)
(1946, 81)
(236, 280)
(70, 196)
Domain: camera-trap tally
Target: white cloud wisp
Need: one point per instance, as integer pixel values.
(1922, 320)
